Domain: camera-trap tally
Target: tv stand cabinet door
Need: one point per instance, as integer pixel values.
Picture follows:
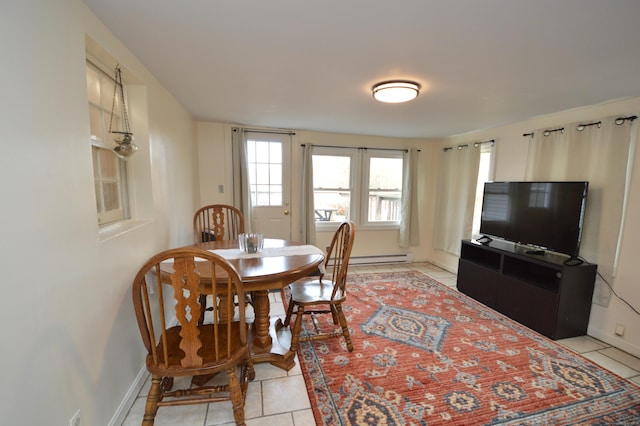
(478, 282)
(530, 305)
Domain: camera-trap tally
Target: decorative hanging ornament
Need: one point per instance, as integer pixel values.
(125, 147)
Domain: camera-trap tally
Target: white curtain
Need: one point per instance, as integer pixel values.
(455, 196)
(307, 208)
(241, 184)
(409, 230)
(599, 154)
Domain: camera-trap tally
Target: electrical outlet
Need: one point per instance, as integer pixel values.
(619, 329)
(75, 419)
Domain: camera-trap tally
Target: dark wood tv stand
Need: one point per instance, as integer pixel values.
(537, 290)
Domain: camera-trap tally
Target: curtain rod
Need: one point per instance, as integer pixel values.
(360, 147)
(548, 132)
(466, 145)
(278, 132)
(581, 126)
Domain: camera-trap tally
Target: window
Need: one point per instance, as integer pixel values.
(485, 173)
(384, 191)
(364, 186)
(332, 186)
(109, 171)
(265, 172)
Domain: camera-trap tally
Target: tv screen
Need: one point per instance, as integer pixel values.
(548, 215)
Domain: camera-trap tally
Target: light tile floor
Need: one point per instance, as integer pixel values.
(279, 398)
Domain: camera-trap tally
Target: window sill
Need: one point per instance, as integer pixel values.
(114, 230)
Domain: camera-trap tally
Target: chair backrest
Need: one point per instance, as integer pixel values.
(217, 222)
(338, 254)
(170, 283)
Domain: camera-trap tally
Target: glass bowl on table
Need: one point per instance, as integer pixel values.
(251, 242)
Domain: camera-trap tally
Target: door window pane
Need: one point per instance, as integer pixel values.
(265, 172)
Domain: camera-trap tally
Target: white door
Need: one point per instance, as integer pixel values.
(269, 164)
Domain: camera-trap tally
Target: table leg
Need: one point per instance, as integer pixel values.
(261, 337)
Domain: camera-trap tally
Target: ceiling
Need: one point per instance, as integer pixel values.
(310, 65)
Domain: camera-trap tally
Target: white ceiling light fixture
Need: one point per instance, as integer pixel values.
(396, 91)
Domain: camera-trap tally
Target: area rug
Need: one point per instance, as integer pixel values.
(427, 355)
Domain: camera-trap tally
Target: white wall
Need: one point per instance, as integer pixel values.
(214, 147)
(214, 163)
(70, 340)
(511, 149)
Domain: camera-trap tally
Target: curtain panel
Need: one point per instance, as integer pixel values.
(599, 154)
(307, 216)
(409, 228)
(455, 197)
(241, 184)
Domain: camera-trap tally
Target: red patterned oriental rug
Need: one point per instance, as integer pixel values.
(426, 354)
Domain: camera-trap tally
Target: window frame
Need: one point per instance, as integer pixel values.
(352, 154)
(359, 185)
(99, 144)
(366, 172)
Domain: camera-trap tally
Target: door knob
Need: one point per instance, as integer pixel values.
(286, 212)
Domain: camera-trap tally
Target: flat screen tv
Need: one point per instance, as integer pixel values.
(546, 215)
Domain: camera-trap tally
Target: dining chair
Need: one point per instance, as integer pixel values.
(167, 310)
(324, 294)
(217, 222)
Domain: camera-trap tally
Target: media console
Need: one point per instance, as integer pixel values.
(534, 288)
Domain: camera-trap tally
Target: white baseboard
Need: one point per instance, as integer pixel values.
(130, 398)
(614, 341)
(381, 259)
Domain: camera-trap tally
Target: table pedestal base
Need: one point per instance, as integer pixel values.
(285, 361)
(261, 341)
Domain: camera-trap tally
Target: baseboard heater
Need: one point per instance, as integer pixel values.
(381, 258)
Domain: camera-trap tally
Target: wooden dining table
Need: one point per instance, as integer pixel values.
(280, 263)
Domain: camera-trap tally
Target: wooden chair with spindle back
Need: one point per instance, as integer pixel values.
(217, 222)
(182, 346)
(326, 294)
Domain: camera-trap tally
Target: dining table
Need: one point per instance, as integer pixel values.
(278, 264)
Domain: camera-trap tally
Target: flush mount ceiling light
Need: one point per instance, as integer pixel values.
(396, 91)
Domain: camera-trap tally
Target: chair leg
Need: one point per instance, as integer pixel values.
(334, 314)
(151, 406)
(235, 391)
(297, 326)
(248, 368)
(247, 374)
(287, 318)
(345, 327)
